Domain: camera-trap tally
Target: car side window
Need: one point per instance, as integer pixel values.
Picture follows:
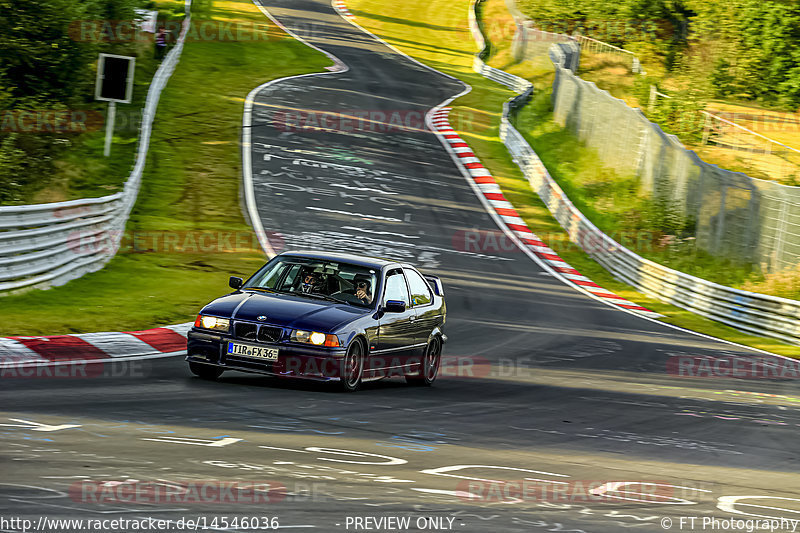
(420, 291)
(396, 287)
(289, 278)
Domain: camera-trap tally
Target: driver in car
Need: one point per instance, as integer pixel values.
(361, 283)
(309, 282)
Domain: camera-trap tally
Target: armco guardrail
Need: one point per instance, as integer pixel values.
(754, 313)
(46, 245)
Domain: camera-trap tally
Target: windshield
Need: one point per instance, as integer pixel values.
(315, 278)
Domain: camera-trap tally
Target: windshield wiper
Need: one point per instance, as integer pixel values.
(317, 295)
(323, 296)
(264, 289)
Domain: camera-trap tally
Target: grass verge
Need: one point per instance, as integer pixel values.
(190, 188)
(436, 32)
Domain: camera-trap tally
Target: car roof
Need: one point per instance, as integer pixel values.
(360, 260)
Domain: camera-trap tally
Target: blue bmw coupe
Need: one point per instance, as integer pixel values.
(326, 317)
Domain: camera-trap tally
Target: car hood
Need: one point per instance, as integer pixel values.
(298, 312)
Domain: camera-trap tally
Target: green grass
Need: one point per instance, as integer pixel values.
(191, 184)
(444, 42)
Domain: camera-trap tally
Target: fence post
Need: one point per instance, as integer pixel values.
(720, 219)
(641, 153)
(780, 234)
(706, 127)
(651, 104)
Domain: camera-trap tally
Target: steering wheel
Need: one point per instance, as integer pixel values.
(346, 296)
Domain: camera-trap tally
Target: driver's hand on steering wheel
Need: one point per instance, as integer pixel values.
(361, 294)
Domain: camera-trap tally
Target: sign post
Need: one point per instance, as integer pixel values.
(114, 84)
(110, 117)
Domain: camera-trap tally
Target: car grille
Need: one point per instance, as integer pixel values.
(246, 331)
(249, 331)
(269, 334)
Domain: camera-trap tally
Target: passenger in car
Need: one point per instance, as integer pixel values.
(362, 289)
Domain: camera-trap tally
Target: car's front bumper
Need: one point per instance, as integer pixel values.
(294, 361)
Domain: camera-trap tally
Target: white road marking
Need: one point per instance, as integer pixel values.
(366, 189)
(197, 442)
(361, 215)
(36, 426)
(457, 493)
(283, 449)
(380, 232)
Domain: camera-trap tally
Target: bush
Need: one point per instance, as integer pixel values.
(681, 115)
(784, 283)
(26, 162)
(748, 47)
(722, 80)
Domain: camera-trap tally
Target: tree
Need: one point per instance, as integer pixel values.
(45, 64)
(42, 57)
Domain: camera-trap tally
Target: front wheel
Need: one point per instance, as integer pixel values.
(205, 371)
(429, 367)
(352, 368)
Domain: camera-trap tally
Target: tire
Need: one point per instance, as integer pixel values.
(352, 367)
(205, 371)
(429, 368)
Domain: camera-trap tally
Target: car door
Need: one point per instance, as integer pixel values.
(396, 331)
(428, 315)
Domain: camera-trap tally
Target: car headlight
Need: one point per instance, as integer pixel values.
(315, 337)
(212, 322)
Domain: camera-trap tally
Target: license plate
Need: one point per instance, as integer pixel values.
(248, 350)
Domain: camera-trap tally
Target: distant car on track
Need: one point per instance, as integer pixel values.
(326, 317)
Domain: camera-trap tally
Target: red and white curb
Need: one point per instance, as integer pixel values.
(341, 8)
(507, 215)
(93, 347)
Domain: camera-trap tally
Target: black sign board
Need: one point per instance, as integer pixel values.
(114, 78)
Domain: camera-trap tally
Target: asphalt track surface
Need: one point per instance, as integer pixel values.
(548, 384)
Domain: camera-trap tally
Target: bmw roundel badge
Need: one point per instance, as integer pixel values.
(262, 317)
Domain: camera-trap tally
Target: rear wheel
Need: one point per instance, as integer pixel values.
(429, 367)
(205, 371)
(352, 367)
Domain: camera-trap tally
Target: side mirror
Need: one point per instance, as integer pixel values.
(235, 283)
(394, 306)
